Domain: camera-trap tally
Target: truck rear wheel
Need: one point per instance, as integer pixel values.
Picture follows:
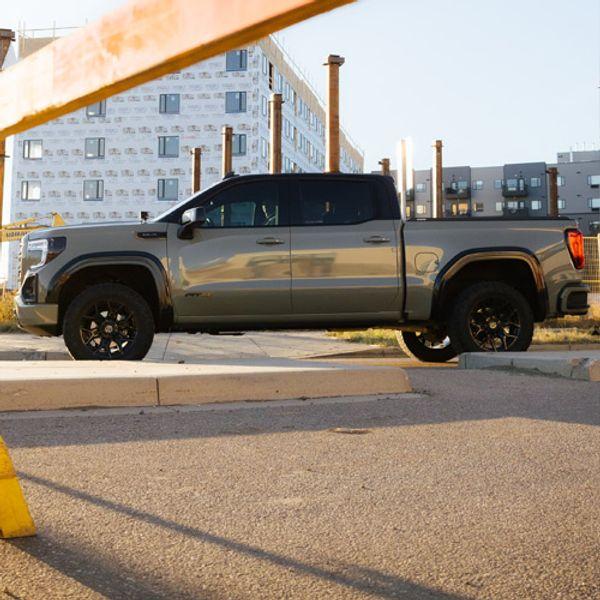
(108, 321)
(491, 317)
(426, 346)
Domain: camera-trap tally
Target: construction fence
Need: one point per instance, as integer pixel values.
(591, 273)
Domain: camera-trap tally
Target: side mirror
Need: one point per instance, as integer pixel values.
(190, 220)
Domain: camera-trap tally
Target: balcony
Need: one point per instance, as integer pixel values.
(515, 188)
(455, 192)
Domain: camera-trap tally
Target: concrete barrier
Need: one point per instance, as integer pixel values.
(46, 385)
(583, 365)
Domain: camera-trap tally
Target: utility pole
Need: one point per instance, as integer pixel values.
(6, 37)
(334, 62)
(196, 169)
(275, 104)
(437, 204)
(227, 163)
(553, 191)
(385, 166)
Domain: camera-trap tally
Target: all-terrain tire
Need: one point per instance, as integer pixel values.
(108, 321)
(415, 345)
(491, 316)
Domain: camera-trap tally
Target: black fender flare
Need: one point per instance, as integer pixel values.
(103, 259)
(467, 257)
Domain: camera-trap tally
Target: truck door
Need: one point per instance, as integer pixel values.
(344, 249)
(238, 263)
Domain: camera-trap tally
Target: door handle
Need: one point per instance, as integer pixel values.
(270, 241)
(376, 239)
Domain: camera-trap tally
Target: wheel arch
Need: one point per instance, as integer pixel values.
(517, 267)
(141, 272)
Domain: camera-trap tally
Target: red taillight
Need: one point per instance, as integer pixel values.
(575, 246)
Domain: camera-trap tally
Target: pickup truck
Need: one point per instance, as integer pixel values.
(300, 251)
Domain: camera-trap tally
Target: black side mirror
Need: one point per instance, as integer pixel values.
(190, 220)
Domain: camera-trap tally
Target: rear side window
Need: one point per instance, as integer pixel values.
(335, 202)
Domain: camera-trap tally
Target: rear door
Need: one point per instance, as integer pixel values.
(344, 243)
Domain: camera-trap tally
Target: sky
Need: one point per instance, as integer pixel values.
(498, 81)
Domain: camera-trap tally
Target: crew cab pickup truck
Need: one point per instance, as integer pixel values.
(309, 251)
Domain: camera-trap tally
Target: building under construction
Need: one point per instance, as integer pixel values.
(131, 152)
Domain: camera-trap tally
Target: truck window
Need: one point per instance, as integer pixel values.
(254, 204)
(335, 202)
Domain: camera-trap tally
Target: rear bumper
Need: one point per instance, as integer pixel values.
(38, 319)
(573, 299)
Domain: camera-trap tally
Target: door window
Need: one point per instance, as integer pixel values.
(335, 202)
(250, 205)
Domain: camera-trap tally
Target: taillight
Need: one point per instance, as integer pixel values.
(575, 246)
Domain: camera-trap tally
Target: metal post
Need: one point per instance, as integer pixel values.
(196, 169)
(227, 163)
(385, 166)
(552, 191)
(334, 62)
(437, 204)
(275, 120)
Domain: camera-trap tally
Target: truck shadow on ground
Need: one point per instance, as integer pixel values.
(118, 582)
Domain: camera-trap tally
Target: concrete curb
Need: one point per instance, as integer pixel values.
(581, 365)
(53, 385)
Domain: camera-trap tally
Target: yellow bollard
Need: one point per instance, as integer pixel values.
(15, 520)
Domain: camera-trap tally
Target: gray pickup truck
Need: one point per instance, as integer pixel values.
(307, 251)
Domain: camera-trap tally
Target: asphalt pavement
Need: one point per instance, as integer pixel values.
(480, 485)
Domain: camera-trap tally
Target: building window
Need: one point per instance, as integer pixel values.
(420, 209)
(594, 180)
(235, 102)
(168, 189)
(264, 106)
(535, 182)
(93, 189)
(168, 146)
(478, 206)
(536, 204)
(264, 148)
(497, 184)
(477, 185)
(238, 144)
(31, 190)
(236, 60)
(499, 205)
(594, 203)
(32, 149)
(560, 181)
(94, 147)
(421, 187)
(98, 109)
(562, 203)
(459, 185)
(265, 65)
(169, 104)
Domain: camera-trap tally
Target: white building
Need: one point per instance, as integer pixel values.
(132, 152)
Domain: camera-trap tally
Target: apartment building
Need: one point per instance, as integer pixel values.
(131, 152)
(515, 190)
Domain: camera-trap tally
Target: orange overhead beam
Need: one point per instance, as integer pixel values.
(138, 42)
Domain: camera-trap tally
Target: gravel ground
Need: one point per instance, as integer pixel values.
(481, 485)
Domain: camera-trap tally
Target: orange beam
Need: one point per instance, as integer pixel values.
(138, 42)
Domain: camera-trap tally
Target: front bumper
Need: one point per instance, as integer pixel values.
(38, 319)
(572, 299)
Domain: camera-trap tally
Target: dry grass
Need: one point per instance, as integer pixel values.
(566, 330)
(7, 313)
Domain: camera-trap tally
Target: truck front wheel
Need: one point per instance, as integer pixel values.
(108, 321)
(491, 317)
(426, 346)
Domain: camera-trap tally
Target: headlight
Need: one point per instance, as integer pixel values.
(40, 252)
